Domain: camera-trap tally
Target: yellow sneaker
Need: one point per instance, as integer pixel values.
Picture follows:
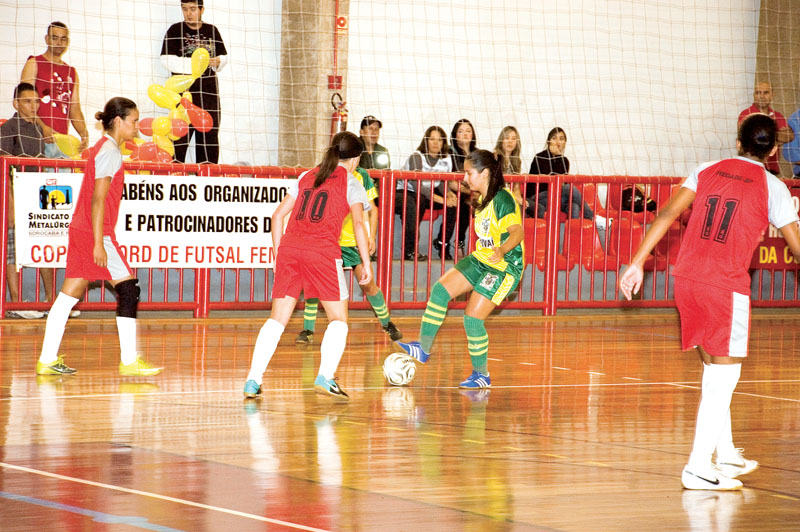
(54, 368)
(139, 368)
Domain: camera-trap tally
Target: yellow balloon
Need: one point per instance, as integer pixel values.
(68, 144)
(179, 83)
(179, 113)
(200, 60)
(164, 143)
(161, 126)
(163, 97)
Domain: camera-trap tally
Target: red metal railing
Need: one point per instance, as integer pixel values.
(569, 263)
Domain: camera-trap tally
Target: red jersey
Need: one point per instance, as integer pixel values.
(736, 200)
(780, 122)
(105, 160)
(317, 215)
(54, 84)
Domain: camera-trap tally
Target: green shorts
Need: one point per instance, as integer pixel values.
(350, 257)
(493, 284)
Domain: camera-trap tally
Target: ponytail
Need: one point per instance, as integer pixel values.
(757, 135)
(343, 146)
(482, 160)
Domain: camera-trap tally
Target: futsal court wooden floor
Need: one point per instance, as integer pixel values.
(587, 427)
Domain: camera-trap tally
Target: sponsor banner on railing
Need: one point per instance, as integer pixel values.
(164, 221)
(772, 252)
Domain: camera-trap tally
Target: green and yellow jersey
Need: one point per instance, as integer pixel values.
(491, 226)
(347, 238)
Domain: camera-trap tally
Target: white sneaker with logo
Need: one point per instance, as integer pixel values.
(708, 479)
(736, 465)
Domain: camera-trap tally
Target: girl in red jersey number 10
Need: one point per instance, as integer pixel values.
(309, 260)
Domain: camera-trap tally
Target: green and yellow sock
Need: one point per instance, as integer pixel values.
(478, 343)
(310, 314)
(378, 303)
(434, 316)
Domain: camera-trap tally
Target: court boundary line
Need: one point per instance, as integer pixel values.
(166, 498)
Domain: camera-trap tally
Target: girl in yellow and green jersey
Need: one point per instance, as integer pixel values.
(492, 271)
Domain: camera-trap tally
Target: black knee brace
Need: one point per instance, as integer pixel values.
(127, 298)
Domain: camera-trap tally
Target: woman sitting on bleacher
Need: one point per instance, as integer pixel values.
(432, 155)
(551, 161)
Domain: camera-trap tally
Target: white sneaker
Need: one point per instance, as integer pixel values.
(74, 313)
(602, 223)
(25, 314)
(736, 465)
(711, 479)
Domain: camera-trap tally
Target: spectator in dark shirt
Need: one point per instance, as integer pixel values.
(464, 142)
(21, 136)
(374, 155)
(180, 42)
(551, 161)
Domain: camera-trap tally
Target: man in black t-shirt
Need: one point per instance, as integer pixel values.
(180, 42)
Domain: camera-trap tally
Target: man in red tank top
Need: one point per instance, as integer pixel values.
(57, 85)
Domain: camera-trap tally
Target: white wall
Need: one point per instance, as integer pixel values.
(650, 87)
(115, 47)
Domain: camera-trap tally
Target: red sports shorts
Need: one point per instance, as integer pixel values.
(80, 258)
(716, 319)
(314, 274)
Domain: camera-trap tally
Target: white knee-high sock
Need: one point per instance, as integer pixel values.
(126, 329)
(332, 348)
(266, 343)
(725, 447)
(719, 381)
(54, 330)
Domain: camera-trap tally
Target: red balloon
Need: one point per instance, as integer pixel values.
(163, 157)
(179, 128)
(201, 120)
(148, 152)
(146, 126)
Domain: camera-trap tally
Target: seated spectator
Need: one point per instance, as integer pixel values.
(762, 103)
(374, 155)
(464, 142)
(552, 161)
(21, 136)
(791, 150)
(432, 155)
(508, 146)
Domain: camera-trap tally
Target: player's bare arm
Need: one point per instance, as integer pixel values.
(515, 236)
(279, 220)
(791, 233)
(360, 231)
(631, 280)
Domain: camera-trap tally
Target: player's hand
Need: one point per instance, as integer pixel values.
(366, 273)
(373, 245)
(213, 62)
(497, 256)
(99, 255)
(84, 144)
(631, 281)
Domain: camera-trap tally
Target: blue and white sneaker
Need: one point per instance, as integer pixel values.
(476, 381)
(330, 387)
(252, 389)
(415, 351)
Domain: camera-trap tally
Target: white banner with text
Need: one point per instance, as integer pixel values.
(164, 221)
